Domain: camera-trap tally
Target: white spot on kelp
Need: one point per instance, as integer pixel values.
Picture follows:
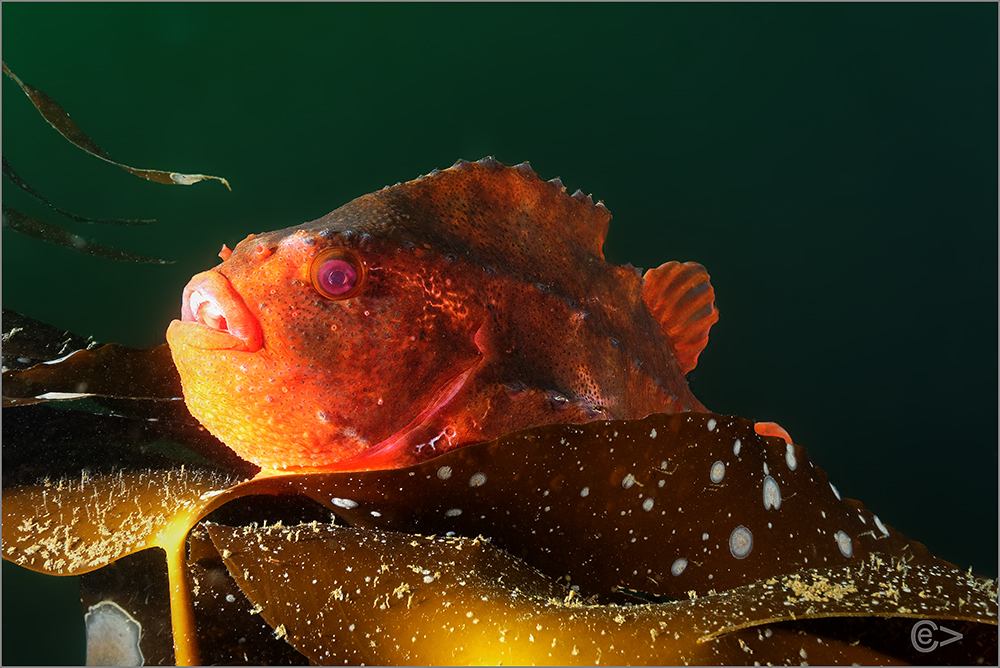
(790, 458)
(772, 494)
(718, 472)
(740, 542)
(844, 543)
(678, 566)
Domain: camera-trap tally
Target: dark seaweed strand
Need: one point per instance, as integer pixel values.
(38, 229)
(16, 179)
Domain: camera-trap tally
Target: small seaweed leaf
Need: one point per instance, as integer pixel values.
(16, 179)
(348, 596)
(60, 119)
(38, 229)
(50, 441)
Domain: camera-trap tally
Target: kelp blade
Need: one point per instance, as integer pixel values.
(70, 527)
(134, 410)
(665, 505)
(349, 596)
(27, 341)
(111, 370)
(604, 506)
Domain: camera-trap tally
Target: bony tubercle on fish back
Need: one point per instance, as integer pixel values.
(430, 315)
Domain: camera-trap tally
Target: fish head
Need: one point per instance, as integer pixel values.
(311, 345)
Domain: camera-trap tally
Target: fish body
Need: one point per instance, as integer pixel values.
(449, 310)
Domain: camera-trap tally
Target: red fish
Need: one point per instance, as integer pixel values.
(449, 310)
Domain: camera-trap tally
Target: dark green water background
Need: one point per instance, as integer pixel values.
(833, 166)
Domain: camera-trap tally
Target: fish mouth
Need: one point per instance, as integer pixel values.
(214, 317)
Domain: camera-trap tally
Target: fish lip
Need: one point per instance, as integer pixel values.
(215, 317)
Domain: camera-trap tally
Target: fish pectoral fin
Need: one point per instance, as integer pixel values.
(680, 297)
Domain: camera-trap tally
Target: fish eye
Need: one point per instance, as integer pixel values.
(337, 273)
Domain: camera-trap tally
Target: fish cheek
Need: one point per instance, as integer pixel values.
(367, 367)
(422, 338)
